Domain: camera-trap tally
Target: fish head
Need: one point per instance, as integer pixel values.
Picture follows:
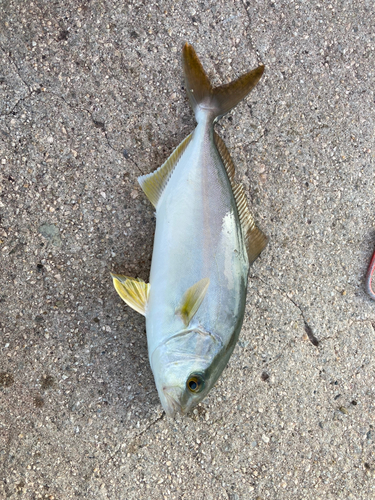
(183, 368)
(181, 389)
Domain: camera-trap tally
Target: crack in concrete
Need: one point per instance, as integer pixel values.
(96, 123)
(160, 417)
(308, 329)
(22, 99)
(37, 91)
(253, 46)
(276, 358)
(311, 335)
(17, 69)
(136, 164)
(151, 424)
(260, 62)
(31, 91)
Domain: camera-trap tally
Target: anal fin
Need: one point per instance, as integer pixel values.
(192, 300)
(153, 184)
(132, 291)
(255, 239)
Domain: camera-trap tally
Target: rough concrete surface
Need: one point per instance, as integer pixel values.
(91, 96)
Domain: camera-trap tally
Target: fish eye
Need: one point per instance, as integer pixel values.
(195, 383)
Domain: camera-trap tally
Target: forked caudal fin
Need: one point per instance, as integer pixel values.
(218, 100)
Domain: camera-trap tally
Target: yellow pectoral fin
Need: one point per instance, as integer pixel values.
(192, 300)
(132, 291)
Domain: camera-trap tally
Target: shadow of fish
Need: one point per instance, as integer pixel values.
(205, 240)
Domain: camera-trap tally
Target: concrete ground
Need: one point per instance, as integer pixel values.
(91, 96)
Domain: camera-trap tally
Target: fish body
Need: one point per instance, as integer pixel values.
(205, 240)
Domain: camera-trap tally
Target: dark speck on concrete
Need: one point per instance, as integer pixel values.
(63, 35)
(47, 382)
(6, 379)
(99, 124)
(38, 401)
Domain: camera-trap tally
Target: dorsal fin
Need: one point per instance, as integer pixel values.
(153, 184)
(192, 300)
(132, 291)
(255, 240)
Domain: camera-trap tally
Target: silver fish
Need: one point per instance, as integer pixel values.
(205, 240)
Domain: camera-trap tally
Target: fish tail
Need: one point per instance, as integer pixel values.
(206, 99)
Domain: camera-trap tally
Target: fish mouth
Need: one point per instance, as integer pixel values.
(171, 401)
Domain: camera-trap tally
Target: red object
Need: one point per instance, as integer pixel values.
(370, 272)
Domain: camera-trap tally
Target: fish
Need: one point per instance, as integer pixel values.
(205, 240)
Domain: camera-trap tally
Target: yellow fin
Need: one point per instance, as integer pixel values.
(225, 156)
(255, 240)
(227, 96)
(153, 184)
(192, 299)
(132, 291)
(218, 100)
